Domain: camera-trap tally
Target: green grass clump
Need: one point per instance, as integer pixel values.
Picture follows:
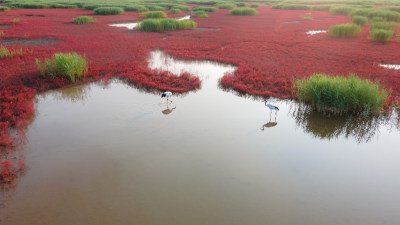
(6, 53)
(16, 20)
(135, 8)
(154, 14)
(108, 11)
(166, 24)
(83, 20)
(204, 8)
(341, 10)
(344, 30)
(27, 5)
(307, 18)
(340, 95)
(370, 13)
(291, 6)
(201, 14)
(243, 12)
(71, 65)
(381, 35)
(62, 6)
(181, 7)
(360, 20)
(174, 11)
(241, 4)
(4, 8)
(392, 8)
(320, 7)
(225, 5)
(255, 5)
(155, 8)
(383, 25)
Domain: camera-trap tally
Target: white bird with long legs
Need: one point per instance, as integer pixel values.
(167, 94)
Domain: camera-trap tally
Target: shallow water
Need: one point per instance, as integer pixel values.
(2, 26)
(44, 41)
(187, 17)
(313, 32)
(110, 154)
(126, 25)
(391, 66)
(207, 28)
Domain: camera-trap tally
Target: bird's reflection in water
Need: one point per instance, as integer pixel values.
(269, 124)
(169, 109)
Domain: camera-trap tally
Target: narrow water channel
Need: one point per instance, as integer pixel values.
(110, 154)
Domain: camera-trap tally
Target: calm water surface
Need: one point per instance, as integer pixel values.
(110, 154)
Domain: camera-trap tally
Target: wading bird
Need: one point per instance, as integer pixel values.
(271, 107)
(167, 94)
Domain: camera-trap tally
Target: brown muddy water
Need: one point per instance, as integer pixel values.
(111, 154)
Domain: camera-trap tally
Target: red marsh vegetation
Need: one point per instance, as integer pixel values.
(270, 49)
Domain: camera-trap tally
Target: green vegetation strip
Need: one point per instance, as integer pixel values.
(166, 24)
(7, 53)
(70, 65)
(340, 95)
(201, 14)
(83, 20)
(154, 14)
(4, 8)
(243, 11)
(108, 11)
(203, 8)
(224, 5)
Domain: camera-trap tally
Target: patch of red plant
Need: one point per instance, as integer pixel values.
(269, 54)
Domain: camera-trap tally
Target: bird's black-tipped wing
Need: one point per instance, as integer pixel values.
(163, 95)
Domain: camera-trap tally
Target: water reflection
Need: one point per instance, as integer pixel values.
(269, 124)
(332, 127)
(168, 110)
(76, 93)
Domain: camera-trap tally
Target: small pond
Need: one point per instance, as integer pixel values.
(111, 154)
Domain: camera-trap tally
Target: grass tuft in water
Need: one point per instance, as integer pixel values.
(108, 11)
(154, 14)
(344, 30)
(340, 95)
(70, 65)
(83, 20)
(307, 18)
(16, 20)
(243, 12)
(166, 24)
